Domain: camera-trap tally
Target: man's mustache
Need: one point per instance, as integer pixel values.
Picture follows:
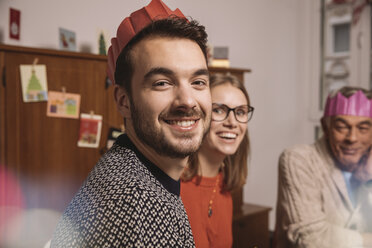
(179, 113)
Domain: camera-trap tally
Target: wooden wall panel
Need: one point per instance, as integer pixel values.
(43, 150)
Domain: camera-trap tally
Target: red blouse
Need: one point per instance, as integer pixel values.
(213, 231)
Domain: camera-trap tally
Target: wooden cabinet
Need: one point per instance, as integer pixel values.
(42, 151)
(251, 227)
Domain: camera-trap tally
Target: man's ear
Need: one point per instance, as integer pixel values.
(122, 101)
(325, 127)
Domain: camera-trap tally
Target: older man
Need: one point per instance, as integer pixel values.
(324, 198)
(131, 198)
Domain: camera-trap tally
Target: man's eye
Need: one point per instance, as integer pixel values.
(199, 83)
(160, 84)
(341, 128)
(364, 128)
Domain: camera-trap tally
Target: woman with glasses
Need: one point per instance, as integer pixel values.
(220, 165)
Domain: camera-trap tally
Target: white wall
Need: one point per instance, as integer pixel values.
(273, 38)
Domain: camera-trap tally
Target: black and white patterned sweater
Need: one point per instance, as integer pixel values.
(126, 201)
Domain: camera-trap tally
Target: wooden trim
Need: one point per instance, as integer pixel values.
(249, 209)
(60, 53)
(228, 69)
(2, 111)
(31, 50)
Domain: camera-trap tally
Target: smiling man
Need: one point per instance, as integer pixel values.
(324, 199)
(131, 197)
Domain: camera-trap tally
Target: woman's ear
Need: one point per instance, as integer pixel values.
(122, 101)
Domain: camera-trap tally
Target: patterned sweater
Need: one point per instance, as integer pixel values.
(126, 201)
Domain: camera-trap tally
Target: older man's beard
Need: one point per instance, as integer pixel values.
(155, 138)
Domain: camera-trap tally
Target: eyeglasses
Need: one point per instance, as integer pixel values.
(242, 113)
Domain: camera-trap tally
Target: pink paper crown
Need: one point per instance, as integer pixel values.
(131, 25)
(357, 105)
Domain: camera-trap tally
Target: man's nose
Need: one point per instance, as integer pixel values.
(185, 97)
(352, 135)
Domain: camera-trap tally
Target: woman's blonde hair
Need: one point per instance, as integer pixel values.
(235, 168)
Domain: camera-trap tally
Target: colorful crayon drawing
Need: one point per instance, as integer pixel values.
(65, 105)
(34, 83)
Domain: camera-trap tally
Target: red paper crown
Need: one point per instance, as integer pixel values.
(131, 25)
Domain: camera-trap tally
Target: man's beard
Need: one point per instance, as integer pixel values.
(155, 138)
